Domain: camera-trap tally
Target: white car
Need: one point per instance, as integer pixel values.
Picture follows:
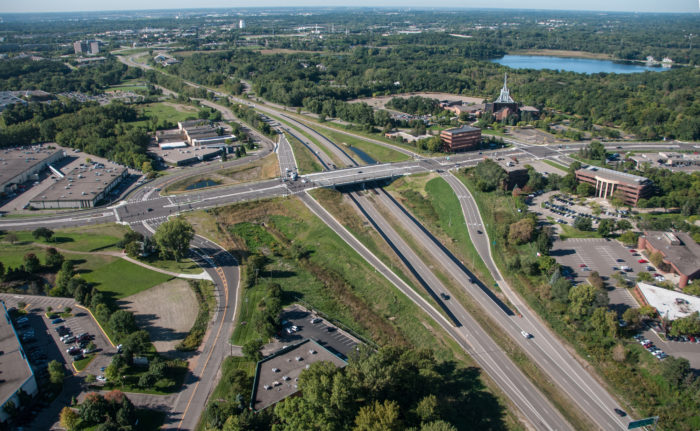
(526, 334)
(102, 379)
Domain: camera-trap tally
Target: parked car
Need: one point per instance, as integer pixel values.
(642, 261)
(69, 340)
(315, 320)
(57, 321)
(101, 379)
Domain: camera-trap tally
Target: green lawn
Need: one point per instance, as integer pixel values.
(572, 232)
(122, 278)
(168, 113)
(306, 161)
(86, 238)
(245, 331)
(183, 266)
(556, 165)
(81, 364)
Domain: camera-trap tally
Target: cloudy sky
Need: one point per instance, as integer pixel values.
(601, 5)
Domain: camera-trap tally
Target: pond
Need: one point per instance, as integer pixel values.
(579, 65)
(363, 156)
(201, 184)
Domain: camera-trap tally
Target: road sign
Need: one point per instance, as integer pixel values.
(642, 422)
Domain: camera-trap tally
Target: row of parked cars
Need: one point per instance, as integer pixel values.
(78, 345)
(684, 338)
(651, 348)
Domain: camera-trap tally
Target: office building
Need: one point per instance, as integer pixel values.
(680, 252)
(19, 165)
(608, 183)
(461, 138)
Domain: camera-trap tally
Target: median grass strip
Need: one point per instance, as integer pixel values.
(204, 290)
(80, 364)
(572, 232)
(556, 165)
(306, 161)
(377, 152)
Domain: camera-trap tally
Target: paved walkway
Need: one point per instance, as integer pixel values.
(201, 276)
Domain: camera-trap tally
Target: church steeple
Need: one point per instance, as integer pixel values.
(504, 97)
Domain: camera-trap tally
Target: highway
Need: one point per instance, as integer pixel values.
(468, 333)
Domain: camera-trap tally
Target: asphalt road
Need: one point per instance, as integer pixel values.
(473, 338)
(544, 348)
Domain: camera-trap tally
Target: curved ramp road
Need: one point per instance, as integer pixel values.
(544, 348)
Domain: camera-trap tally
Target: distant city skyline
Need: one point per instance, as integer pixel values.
(590, 5)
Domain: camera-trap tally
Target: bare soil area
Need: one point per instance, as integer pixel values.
(167, 311)
(381, 101)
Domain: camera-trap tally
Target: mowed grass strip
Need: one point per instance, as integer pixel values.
(122, 278)
(377, 152)
(86, 238)
(306, 161)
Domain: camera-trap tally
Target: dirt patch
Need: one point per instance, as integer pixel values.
(167, 311)
(180, 107)
(380, 102)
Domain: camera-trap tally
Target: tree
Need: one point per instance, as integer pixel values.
(31, 263)
(54, 259)
(623, 224)
(378, 417)
(585, 190)
(2, 270)
(521, 231)
(56, 372)
(606, 226)
(11, 238)
(581, 298)
(657, 259)
(632, 317)
(628, 238)
(112, 373)
(251, 350)
(675, 370)
(173, 237)
(43, 232)
(583, 223)
(69, 418)
(689, 325)
(122, 322)
(490, 176)
(94, 409)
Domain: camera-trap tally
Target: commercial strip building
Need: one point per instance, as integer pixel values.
(668, 303)
(461, 138)
(82, 187)
(91, 47)
(17, 374)
(202, 132)
(181, 155)
(669, 160)
(609, 183)
(679, 251)
(21, 164)
(277, 376)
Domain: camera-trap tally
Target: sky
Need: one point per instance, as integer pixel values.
(596, 5)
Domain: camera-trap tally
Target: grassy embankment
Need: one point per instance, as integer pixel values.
(434, 204)
(306, 162)
(351, 292)
(556, 165)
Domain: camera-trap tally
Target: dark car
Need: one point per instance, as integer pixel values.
(620, 413)
(444, 296)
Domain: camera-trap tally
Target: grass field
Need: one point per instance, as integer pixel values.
(572, 232)
(183, 266)
(306, 161)
(170, 112)
(556, 165)
(81, 364)
(121, 278)
(85, 238)
(245, 331)
(377, 152)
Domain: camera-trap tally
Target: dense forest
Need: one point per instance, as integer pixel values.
(391, 389)
(651, 104)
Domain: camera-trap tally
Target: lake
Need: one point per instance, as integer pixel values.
(579, 65)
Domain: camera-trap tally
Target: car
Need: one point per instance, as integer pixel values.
(526, 334)
(101, 379)
(88, 351)
(102, 369)
(295, 328)
(444, 296)
(119, 348)
(315, 320)
(642, 261)
(633, 250)
(22, 320)
(479, 232)
(78, 356)
(583, 265)
(73, 350)
(650, 268)
(56, 321)
(288, 330)
(621, 260)
(692, 339)
(620, 412)
(70, 339)
(150, 209)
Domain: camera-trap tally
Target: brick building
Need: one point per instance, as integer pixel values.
(681, 253)
(461, 138)
(608, 183)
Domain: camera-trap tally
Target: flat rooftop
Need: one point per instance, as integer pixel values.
(15, 369)
(176, 155)
(685, 256)
(82, 183)
(611, 175)
(669, 303)
(276, 377)
(14, 161)
(462, 129)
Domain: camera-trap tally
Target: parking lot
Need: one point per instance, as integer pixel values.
(581, 256)
(680, 349)
(326, 334)
(46, 345)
